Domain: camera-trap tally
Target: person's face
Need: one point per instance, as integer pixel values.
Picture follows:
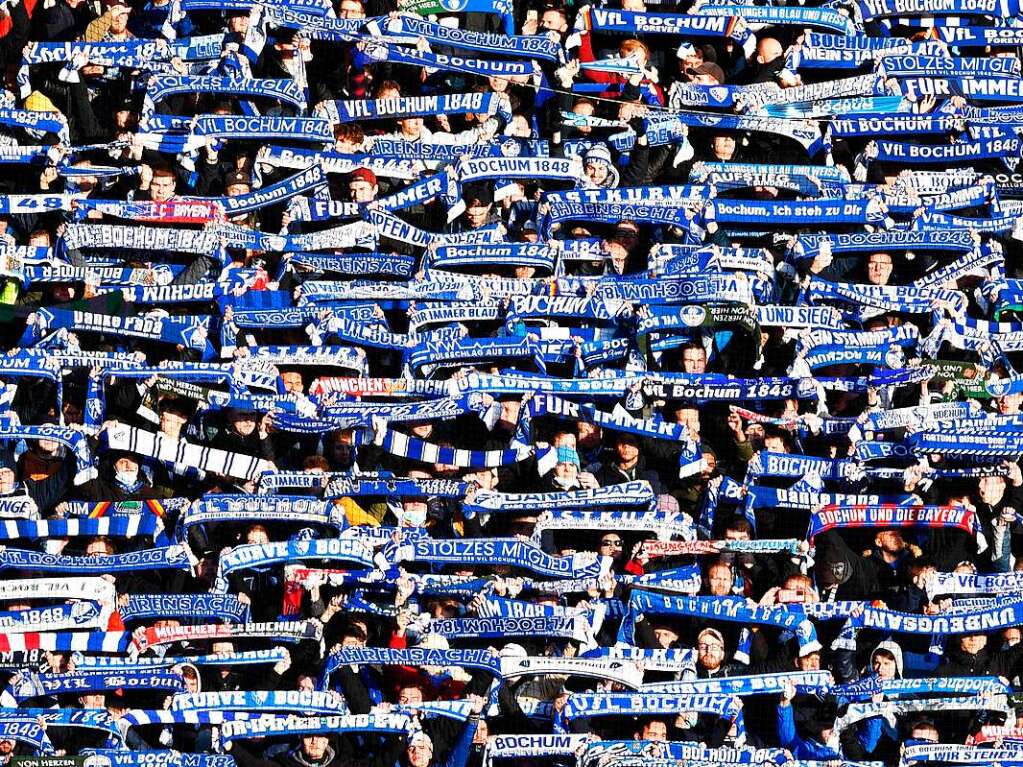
(123, 119)
(6, 747)
(238, 24)
(665, 637)
(710, 652)
(119, 19)
(1009, 404)
(800, 585)
(341, 451)
(351, 9)
(520, 127)
(191, 684)
(719, 580)
(419, 754)
(708, 79)
(811, 662)
(497, 84)
(639, 54)
(724, 147)
(890, 542)
(487, 479)
(611, 545)
(314, 746)
(736, 535)
(257, 535)
(510, 412)
(884, 665)
(345, 146)
(655, 731)
(565, 471)
(6, 480)
(710, 465)
(923, 575)
(553, 21)
(973, 643)
(588, 434)
(482, 732)
(413, 510)
(476, 214)
(618, 255)
(690, 418)
(352, 641)
(879, 268)
(306, 683)
(774, 444)
(222, 648)
(627, 451)
(694, 360)
(584, 108)
(125, 464)
(172, 421)
(596, 172)
(362, 191)
(411, 126)
(237, 190)
(410, 696)
(559, 702)
(207, 569)
(47, 446)
(292, 381)
(991, 489)
(161, 188)
(243, 423)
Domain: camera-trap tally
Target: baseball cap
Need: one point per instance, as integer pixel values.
(364, 174)
(709, 68)
(713, 634)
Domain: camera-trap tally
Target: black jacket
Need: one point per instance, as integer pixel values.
(386, 757)
(1004, 662)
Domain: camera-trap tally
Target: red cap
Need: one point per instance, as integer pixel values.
(364, 174)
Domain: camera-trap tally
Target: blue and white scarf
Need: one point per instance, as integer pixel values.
(524, 555)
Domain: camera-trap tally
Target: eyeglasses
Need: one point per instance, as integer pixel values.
(616, 544)
(710, 647)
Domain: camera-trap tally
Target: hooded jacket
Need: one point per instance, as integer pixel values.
(892, 649)
(1004, 662)
(839, 566)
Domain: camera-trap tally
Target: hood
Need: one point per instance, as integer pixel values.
(894, 650)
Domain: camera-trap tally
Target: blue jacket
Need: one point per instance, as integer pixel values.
(800, 748)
